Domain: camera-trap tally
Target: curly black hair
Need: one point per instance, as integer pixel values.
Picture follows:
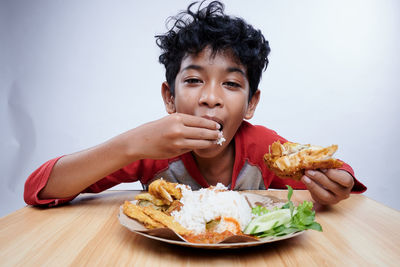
(192, 31)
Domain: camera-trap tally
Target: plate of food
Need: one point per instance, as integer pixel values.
(214, 217)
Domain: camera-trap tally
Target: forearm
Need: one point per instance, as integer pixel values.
(164, 138)
(74, 173)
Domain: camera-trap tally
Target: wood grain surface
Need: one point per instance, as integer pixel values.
(356, 232)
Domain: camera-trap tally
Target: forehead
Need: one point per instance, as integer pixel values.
(223, 58)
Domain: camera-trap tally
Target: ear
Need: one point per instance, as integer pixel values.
(251, 108)
(169, 101)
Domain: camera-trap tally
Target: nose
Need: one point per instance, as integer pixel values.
(211, 96)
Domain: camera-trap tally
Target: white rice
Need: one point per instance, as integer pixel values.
(204, 205)
(221, 138)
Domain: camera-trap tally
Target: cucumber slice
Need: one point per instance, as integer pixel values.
(268, 221)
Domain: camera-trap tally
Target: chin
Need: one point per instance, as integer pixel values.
(209, 152)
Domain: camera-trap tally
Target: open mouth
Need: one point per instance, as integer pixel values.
(221, 126)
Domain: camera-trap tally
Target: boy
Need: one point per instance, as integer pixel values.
(213, 67)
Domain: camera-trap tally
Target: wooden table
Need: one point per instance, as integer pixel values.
(357, 232)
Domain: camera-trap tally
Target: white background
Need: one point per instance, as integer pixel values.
(76, 73)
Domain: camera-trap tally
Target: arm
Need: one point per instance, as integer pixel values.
(168, 137)
(73, 173)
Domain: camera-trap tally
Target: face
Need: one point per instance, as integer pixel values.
(214, 87)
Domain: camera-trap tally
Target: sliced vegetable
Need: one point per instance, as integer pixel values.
(288, 219)
(268, 221)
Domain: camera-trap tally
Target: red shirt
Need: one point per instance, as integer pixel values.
(249, 170)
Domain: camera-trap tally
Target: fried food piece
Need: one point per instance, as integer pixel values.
(166, 220)
(162, 189)
(152, 218)
(175, 205)
(145, 203)
(290, 160)
(149, 197)
(153, 208)
(136, 212)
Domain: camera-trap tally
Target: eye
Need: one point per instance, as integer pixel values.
(192, 81)
(232, 84)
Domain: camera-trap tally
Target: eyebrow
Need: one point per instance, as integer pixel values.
(233, 69)
(229, 69)
(193, 67)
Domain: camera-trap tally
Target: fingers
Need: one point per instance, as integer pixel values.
(201, 134)
(318, 193)
(197, 122)
(326, 183)
(328, 187)
(192, 144)
(196, 128)
(340, 176)
(172, 135)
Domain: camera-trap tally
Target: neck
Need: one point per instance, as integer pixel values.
(218, 169)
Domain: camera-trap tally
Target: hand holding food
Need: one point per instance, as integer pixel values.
(328, 186)
(290, 160)
(171, 136)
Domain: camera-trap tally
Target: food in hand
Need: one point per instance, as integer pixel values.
(290, 160)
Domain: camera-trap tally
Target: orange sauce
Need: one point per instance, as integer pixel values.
(212, 237)
(235, 226)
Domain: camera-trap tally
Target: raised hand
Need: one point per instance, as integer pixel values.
(171, 136)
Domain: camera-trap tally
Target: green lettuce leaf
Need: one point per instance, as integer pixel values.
(302, 218)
